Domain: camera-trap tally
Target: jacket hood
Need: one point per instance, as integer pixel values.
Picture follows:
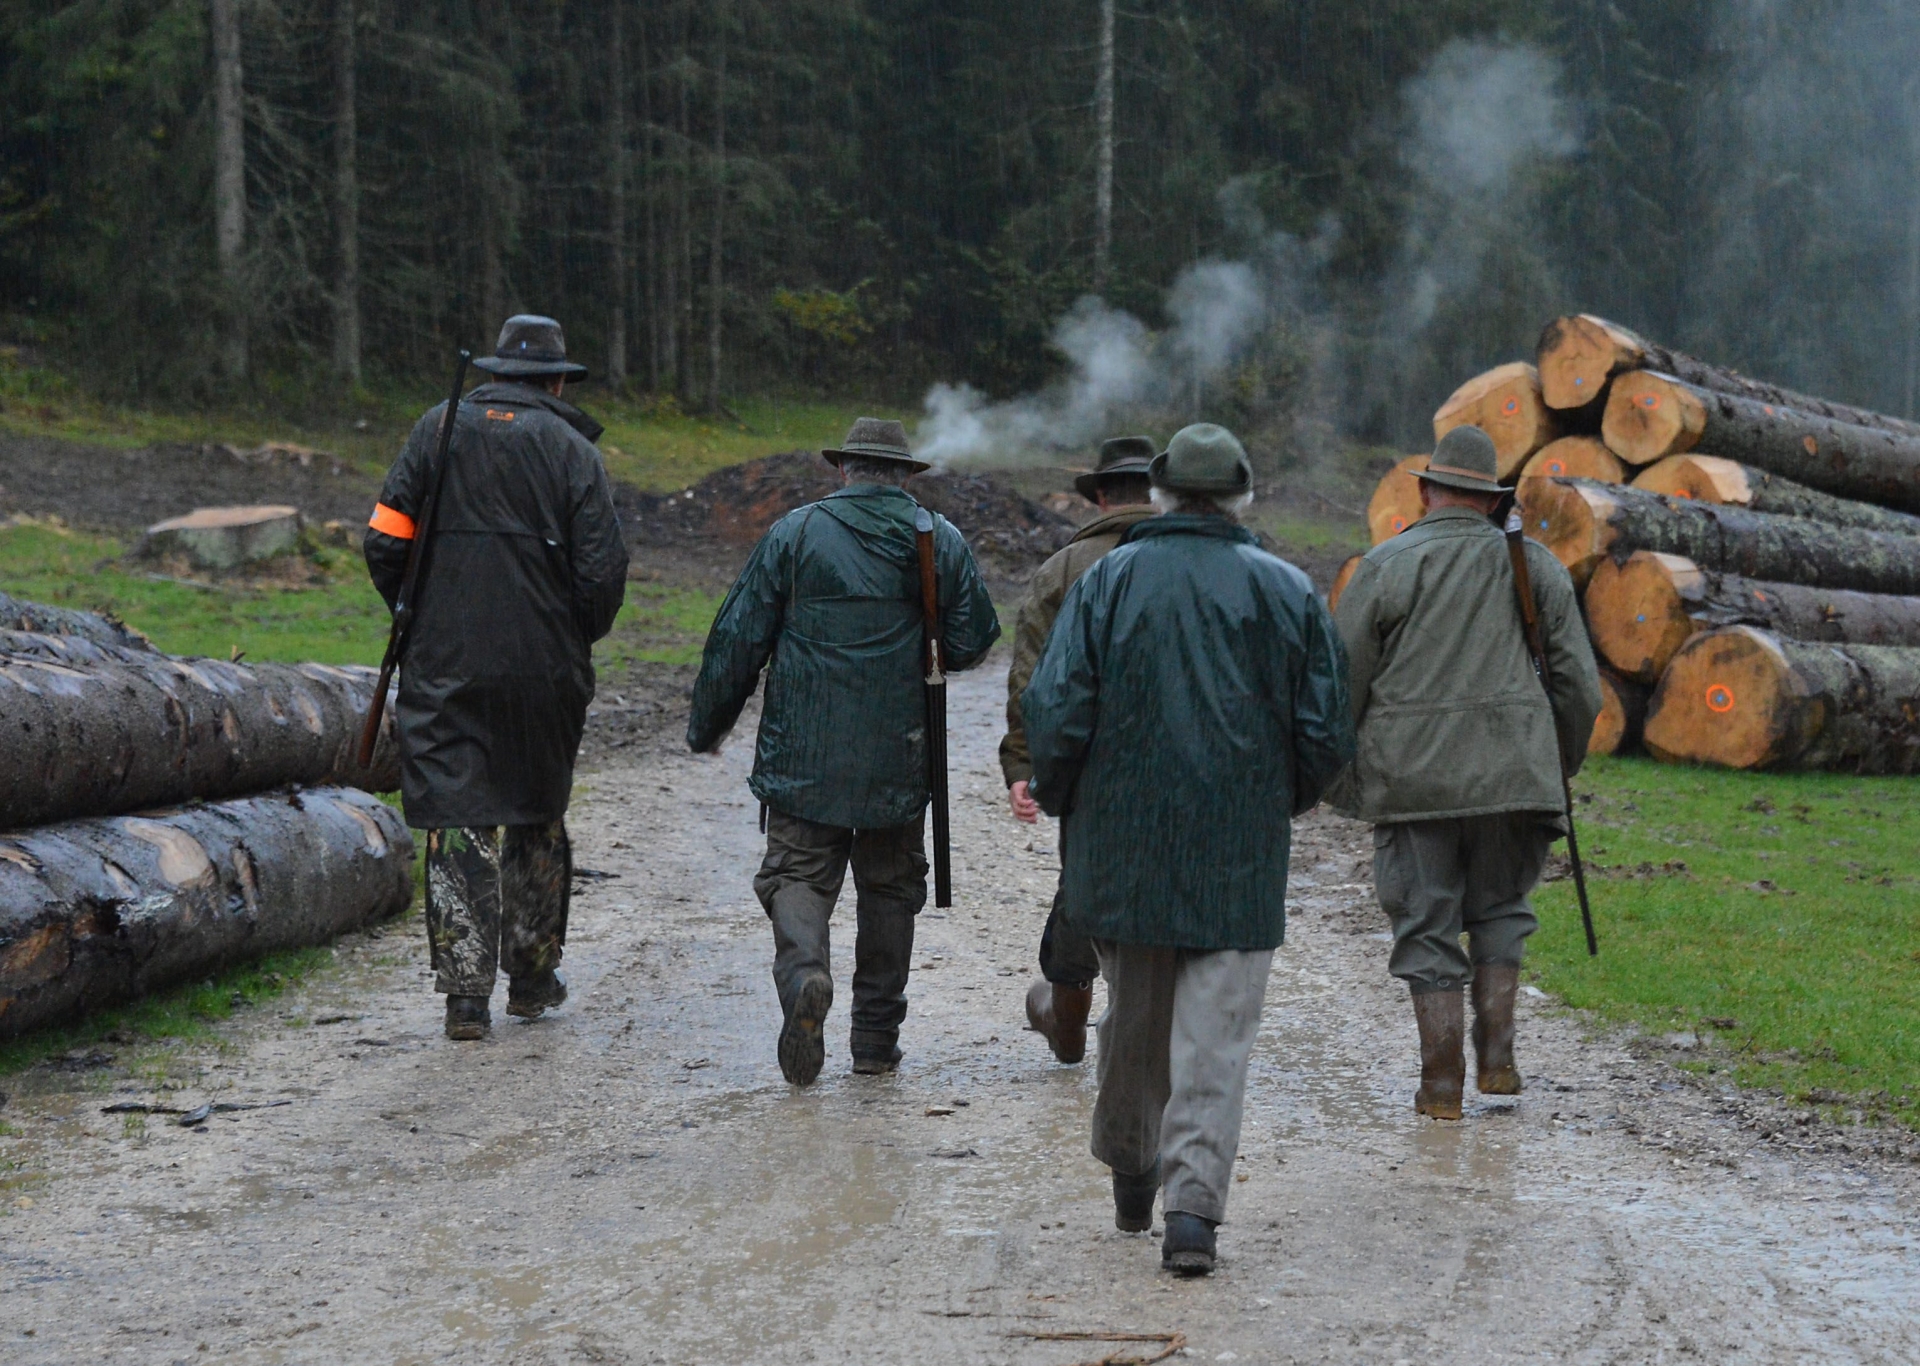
(880, 516)
(531, 396)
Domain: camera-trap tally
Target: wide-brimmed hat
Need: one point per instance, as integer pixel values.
(1464, 459)
(1119, 455)
(1203, 458)
(876, 438)
(530, 345)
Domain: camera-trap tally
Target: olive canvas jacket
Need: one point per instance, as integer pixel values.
(1037, 611)
(1190, 702)
(524, 569)
(1452, 721)
(829, 606)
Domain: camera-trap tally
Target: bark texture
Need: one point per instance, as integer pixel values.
(95, 729)
(16, 615)
(1505, 403)
(230, 180)
(346, 195)
(1742, 698)
(1623, 715)
(1395, 504)
(94, 912)
(1710, 479)
(1575, 457)
(1583, 522)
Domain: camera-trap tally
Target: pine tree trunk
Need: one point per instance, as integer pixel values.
(1742, 698)
(1642, 609)
(1623, 715)
(717, 237)
(1575, 457)
(230, 182)
(648, 196)
(96, 912)
(683, 219)
(38, 619)
(1395, 504)
(618, 283)
(1583, 522)
(1710, 479)
(1504, 402)
(346, 196)
(1103, 163)
(95, 729)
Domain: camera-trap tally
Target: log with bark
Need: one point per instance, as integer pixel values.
(95, 729)
(1505, 403)
(1583, 522)
(95, 912)
(1575, 457)
(1651, 416)
(1744, 698)
(1340, 581)
(1395, 504)
(1642, 609)
(1623, 714)
(1578, 355)
(1710, 479)
(18, 615)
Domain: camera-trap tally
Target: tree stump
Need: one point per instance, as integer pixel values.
(1395, 504)
(1504, 403)
(226, 537)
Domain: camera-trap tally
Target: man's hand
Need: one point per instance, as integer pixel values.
(1025, 808)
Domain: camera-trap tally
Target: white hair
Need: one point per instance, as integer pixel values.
(1228, 505)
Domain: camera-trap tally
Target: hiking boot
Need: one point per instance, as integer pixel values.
(874, 1062)
(1494, 987)
(531, 997)
(1187, 1246)
(803, 1047)
(468, 1018)
(1059, 1015)
(1133, 1200)
(1442, 1017)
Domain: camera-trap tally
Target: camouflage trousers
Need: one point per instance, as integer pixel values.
(495, 902)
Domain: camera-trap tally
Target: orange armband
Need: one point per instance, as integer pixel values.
(391, 522)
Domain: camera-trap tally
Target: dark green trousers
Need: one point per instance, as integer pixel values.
(1467, 875)
(496, 901)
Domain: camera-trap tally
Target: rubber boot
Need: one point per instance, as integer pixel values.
(468, 1018)
(1059, 1015)
(1494, 987)
(1187, 1247)
(803, 1046)
(531, 997)
(1442, 1017)
(876, 1062)
(1133, 1200)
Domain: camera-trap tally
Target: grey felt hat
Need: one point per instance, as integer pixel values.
(1465, 459)
(1203, 458)
(1119, 455)
(530, 345)
(876, 438)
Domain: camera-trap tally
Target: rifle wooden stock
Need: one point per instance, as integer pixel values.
(936, 685)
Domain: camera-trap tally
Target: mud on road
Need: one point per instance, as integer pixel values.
(630, 1180)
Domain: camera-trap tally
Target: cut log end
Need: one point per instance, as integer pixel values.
(1505, 403)
(1637, 611)
(1578, 355)
(1651, 416)
(1340, 581)
(1623, 710)
(1575, 457)
(1568, 519)
(1705, 477)
(1395, 504)
(1728, 698)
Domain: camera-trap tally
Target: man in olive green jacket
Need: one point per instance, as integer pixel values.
(1460, 754)
(1058, 1004)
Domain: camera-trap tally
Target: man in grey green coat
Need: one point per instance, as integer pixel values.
(1460, 754)
(829, 605)
(1191, 701)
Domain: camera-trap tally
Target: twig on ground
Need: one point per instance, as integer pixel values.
(1170, 1343)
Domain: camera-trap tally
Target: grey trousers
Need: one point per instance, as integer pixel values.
(798, 883)
(1172, 1064)
(1470, 874)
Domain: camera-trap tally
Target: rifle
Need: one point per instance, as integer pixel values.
(1530, 621)
(936, 712)
(410, 577)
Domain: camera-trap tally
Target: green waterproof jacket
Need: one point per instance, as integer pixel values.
(1452, 720)
(832, 597)
(1190, 702)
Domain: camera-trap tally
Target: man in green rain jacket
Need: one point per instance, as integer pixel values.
(1191, 701)
(831, 597)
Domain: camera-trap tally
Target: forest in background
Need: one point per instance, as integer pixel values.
(1308, 216)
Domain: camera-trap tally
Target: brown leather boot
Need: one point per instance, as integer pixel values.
(1442, 1017)
(1059, 1014)
(1494, 987)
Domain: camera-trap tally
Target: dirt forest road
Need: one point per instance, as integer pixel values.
(630, 1181)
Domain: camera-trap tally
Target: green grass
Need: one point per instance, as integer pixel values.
(1774, 914)
(660, 449)
(660, 624)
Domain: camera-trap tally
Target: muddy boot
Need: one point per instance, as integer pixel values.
(1494, 987)
(1442, 1016)
(1187, 1246)
(468, 1018)
(531, 997)
(876, 1062)
(1133, 1200)
(1059, 1015)
(803, 1045)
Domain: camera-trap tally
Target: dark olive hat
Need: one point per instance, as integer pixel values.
(1120, 455)
(876, 438)
(530, 345)
(1203, 458)
(1465, 459)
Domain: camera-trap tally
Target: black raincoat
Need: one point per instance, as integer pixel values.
(525, 568)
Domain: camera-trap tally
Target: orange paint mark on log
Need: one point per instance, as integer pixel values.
(1719, 698)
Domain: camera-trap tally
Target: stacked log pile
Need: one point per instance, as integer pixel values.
(1748, 556)
(165, 817)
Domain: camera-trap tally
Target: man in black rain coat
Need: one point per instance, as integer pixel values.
(524, 569)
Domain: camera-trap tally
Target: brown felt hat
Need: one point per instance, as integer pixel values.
(1119, 455)
(1464, 459)
(876, 438)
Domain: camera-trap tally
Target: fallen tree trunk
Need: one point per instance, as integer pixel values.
(1340, 580)
(94, 729)
(1623, 714)
(1710, 479)
(1578, 355)
(1642, 609)
(1576, 457)
(1505, 403)
(1395, 504)
(1742, 698)
(96, 912)
(1651, 416)
(1583, 522)
(16, 615)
